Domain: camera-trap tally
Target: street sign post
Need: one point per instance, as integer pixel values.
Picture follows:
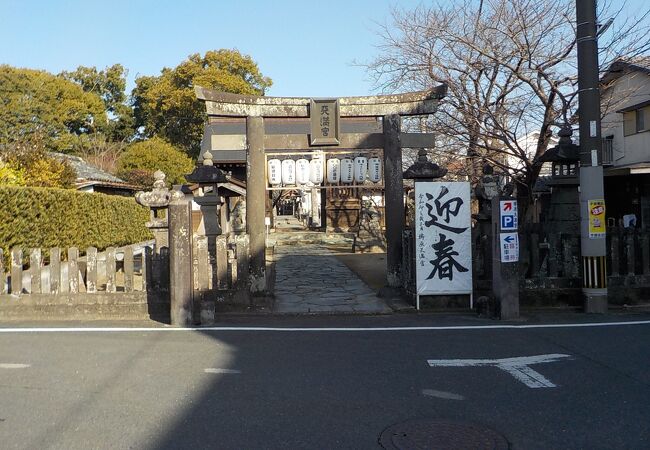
(505, 256)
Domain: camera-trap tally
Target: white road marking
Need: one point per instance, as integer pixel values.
(215, 370)
(13, 366)
(317, 329)
(517, 367)
(442, 394)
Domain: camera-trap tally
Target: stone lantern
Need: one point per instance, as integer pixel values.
(564, 207)
(420, 170)
(208, 177)
(157, 200)
(565, 159)
(423, 169)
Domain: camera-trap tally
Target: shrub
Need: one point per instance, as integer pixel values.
(138, 177)
(26, 162)
(11, 176)
(47, 217)
(151, 155)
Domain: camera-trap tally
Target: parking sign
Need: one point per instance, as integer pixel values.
(508, 215)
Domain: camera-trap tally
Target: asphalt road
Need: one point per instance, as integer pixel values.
(323, 389)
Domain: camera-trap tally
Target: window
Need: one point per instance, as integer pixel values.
(640, 123)
(636, 121)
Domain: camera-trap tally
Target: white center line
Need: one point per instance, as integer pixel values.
(318, 329)
(13, 366)
(442, 394)
(216, 370)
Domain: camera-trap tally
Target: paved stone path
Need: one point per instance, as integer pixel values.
(310, 280)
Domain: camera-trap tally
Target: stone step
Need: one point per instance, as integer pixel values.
(302, 238)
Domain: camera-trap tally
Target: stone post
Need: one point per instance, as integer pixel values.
(487, 189)
(394, 195)
(255, 202)
(505, 275)
(180, 260)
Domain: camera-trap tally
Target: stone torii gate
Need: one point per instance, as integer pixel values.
(241, 129)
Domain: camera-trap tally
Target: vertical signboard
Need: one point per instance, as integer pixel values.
(597, 219)
(443, 238)
(324, 120)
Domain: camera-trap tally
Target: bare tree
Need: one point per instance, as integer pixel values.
(510, 68)
(101, 152)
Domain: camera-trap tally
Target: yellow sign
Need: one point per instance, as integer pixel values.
(596, 219)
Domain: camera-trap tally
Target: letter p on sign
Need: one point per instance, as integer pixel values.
(507, 222)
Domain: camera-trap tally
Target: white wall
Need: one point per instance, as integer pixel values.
(630, 89)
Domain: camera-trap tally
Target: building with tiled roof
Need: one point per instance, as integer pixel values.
(93, 179)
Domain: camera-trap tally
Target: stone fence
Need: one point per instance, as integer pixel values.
(550, 266)
(129, 281)
(126, 282)
(219, 275)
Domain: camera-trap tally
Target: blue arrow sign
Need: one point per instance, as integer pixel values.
(509, 239)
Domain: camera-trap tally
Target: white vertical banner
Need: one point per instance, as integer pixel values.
(443, 238)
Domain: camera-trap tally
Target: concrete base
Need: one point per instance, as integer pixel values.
(595, 304)
(389, 292)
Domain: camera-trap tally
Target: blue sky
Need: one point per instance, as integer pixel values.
(306, 47)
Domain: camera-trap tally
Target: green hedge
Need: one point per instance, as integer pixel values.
(33, 217)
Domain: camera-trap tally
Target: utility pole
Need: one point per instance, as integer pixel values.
(592, 215)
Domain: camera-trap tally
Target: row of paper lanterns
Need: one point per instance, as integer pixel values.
(345, 170)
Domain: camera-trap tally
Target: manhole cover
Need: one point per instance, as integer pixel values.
(440, 435)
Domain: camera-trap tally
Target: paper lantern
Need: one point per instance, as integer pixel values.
(374, 169)
(333, 170)
(275, 172)
(316, 171)
(302, 171)
(288, 172)
(360, 168)
(347, 170)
